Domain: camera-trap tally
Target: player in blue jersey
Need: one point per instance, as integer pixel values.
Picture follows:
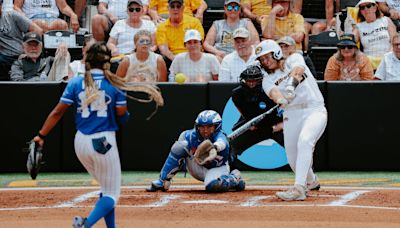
(100, 102)
(215, 173)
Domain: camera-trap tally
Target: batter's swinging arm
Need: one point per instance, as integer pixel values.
(253, 122)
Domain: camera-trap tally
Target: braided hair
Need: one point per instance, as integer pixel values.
(98, 56)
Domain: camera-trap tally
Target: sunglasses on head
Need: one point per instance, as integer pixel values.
(230, 8)
(138, 9)
(367, 6)
(175, 5)
(144, 42)
(346, 46)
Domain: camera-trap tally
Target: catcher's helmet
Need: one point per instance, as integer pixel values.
(268, 46)
(209, 117)
(252, 72)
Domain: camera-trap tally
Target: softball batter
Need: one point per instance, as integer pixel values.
(290, 83)
(100, 106)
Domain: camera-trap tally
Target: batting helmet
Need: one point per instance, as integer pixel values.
(209, 117)
(268, 46)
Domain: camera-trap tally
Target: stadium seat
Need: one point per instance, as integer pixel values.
(215, 11)
(348, 3)
(313, 10)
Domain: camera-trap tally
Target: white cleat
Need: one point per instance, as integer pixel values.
(314, 186)
(297, 192)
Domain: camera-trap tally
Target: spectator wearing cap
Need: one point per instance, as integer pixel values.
(46, 14)
(170, 33)
(388, 70)
(219, 39)
(143, 65)
(348, 63)
(283, 22)
(110, 11)
(158, 9)
(233, 64)
(12, 28)
(392, 9)
(122, 33)
(374, 31)
(196, 65)
(31, 65)
(288, 46)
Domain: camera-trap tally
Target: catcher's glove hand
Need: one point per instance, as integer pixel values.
(205, 152)
(34, 161)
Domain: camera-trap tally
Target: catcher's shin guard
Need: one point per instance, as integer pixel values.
(226, 183)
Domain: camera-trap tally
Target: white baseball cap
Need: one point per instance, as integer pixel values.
(192, 34)
(286, 40)
(241, 33)
(365, 1)
(267, 46)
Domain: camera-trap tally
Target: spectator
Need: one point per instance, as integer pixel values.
(46, 14)
(348, 63)
(31, 66)
(282, 22)
(288, 46)
(374, 31)
(159, 12)
(122, 33)
(196, 65)
(143, 64)
(219, 40)
(170, 33)
(79, 7)
(392, 9)
(390, 64)
(12, 27)
(77, 67)
(329, 22)
(110, 11)
(233, 64)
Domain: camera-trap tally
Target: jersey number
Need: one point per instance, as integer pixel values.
(99, 105)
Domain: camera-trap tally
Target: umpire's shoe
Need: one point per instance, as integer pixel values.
(79, 222)
(159, 185)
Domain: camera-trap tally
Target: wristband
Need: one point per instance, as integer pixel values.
(41, 136)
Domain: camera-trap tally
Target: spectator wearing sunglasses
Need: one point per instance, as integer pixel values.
(374, 31)
(110, 11)
(390, 64)
(348, 63)
(158, 9)
(143, 65)
(283, 22)
(170, 33)
(219, 39)
(121, 36)
(196, 65)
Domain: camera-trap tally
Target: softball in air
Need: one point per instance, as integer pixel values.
(180, 78)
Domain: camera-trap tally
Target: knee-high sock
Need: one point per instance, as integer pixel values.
(103, 206)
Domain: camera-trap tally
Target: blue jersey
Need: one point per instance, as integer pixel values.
(193, 138)
(100, 115)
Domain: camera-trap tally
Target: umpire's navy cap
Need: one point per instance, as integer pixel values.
(32, 36)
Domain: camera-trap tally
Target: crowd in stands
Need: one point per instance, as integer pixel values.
(153, 40)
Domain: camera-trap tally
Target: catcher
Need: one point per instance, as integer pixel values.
(205, 150)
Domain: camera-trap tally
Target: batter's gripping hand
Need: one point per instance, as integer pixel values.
(34, 161)
(205, 152)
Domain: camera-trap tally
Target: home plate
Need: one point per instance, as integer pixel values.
(205, 201)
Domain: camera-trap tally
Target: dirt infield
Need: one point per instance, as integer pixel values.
(185, 206)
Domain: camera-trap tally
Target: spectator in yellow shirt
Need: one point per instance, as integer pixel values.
(158, 9)
(170, 33)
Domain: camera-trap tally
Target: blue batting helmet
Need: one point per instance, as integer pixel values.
(209, 117)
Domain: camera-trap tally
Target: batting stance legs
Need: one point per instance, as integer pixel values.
(302, 129)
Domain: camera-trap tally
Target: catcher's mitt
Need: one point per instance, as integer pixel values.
(34, 161)
(205, 152)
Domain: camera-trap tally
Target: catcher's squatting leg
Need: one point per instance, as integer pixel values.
(172, 165)
(225, 183)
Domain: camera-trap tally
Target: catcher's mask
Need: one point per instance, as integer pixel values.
(252, 73)
(209, 117)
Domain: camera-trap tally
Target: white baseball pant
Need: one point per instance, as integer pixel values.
(104, 168)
